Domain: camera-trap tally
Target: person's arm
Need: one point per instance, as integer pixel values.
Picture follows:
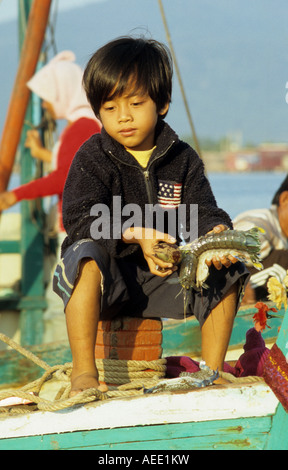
(37, 149)
(53, 183)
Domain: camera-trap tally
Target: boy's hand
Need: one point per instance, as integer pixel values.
(147, 239)
(225, 260)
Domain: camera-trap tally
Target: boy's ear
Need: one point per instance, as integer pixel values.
(283, 198)
(164, 110)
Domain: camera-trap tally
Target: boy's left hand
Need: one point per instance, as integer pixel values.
(225, 260)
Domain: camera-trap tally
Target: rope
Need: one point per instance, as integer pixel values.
(24, 351)
(238, 380)
(129, 379)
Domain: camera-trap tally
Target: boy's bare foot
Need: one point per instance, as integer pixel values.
(84, 381)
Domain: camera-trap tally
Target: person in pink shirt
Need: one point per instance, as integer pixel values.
(59, 85)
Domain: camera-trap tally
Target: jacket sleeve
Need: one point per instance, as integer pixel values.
(45, 186)
(197, 190)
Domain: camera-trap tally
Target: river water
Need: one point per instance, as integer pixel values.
(238, 192)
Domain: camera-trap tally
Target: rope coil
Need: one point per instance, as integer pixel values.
(128, 377)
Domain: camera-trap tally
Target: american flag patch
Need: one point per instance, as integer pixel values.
(169, 194)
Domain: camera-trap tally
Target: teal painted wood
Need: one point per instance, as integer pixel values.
(17, 370)
(235, 434)
(282, 339)
(31, 244)
(32, 256)
(181, 338)
(184, 337)
(178, 336)
(244, 321)
(9, 246)
(278, 439)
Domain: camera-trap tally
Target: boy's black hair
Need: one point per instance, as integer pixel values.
(145, 61)
(283, 187)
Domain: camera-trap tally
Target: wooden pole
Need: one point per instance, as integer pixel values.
(35, 34)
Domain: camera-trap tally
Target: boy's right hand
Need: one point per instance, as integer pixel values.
(147, 239)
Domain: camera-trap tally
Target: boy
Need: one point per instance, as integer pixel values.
(139, 160)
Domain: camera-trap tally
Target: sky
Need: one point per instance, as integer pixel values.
(8, 8)
(232, 54)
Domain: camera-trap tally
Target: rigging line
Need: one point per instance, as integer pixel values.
(22, 17)
(52, 26)
(179, 78)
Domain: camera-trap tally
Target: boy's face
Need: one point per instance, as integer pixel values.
(131, 120)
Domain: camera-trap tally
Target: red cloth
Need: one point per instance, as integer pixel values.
(53, 184)
(177, 364)
(251, 362)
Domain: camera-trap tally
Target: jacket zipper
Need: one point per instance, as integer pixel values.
(145, 172)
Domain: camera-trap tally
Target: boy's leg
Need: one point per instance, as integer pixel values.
(217, 329)
(82, 316)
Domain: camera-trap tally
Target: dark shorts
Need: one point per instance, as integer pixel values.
(131, 290)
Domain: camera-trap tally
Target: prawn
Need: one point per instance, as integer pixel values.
(243, 245)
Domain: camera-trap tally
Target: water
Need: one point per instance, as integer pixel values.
(234, 192)
(238, 192)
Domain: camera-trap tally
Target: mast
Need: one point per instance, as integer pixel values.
(35, 34)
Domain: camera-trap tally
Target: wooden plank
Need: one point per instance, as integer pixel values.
(184, 337)
(278, 439)
(237, 434)
(181, 338)
(9, 246)
(201, 405)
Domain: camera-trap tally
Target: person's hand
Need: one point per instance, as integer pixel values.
(7, 199)
(147, 239)
(224, 260)
(34, 143)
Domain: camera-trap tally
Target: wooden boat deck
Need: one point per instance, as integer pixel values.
(157, 421)
(241, 415)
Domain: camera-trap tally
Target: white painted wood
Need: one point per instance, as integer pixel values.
(213, 403)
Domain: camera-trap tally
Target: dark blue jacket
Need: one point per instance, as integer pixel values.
(102, 168)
